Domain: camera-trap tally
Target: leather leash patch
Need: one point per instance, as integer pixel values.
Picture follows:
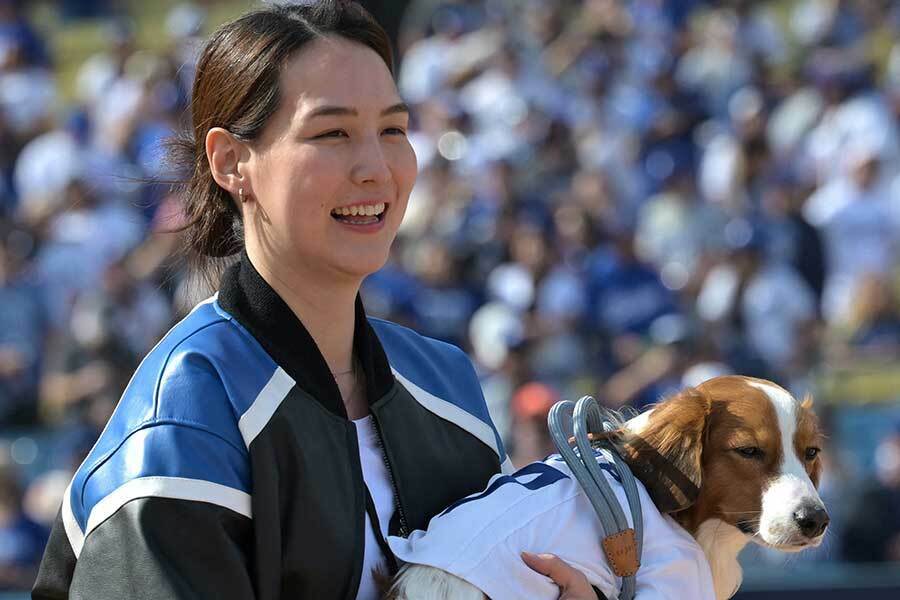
(621, 553)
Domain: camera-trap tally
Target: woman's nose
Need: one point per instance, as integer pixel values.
(371, 163)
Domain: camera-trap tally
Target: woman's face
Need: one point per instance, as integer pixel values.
(334, 153)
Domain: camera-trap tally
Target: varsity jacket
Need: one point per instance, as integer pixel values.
(229, 469)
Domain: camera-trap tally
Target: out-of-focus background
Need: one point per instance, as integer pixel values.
(615, 197)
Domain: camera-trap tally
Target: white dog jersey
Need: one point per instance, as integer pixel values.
(542, 508)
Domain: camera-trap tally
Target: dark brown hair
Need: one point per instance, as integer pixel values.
(236, 87)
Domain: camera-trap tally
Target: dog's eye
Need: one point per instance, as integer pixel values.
(812, 452)
(750, 452)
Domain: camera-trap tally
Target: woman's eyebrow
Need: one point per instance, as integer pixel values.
(400, 107)
(343, 111)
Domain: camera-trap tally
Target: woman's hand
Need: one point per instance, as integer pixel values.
(573, 585)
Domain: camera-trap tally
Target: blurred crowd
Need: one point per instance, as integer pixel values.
(614, 198)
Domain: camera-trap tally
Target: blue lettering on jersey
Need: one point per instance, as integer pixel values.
(603, 464)
(547, 475)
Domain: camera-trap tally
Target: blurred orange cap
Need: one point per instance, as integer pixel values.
(533, 399)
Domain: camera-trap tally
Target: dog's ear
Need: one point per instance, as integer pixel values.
(664, 449)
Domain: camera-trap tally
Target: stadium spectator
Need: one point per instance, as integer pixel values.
(24, 327)
(874, 324)
(531, 441)
(21, 539)
(760, 301)
(872, 530)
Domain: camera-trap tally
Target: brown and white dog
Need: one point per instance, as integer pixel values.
(733, 460)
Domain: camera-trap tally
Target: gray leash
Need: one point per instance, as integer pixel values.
(585, 417)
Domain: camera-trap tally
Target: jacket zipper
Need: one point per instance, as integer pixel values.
(376, 530)
(404, 528)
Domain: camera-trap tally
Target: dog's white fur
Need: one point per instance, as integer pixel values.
(427, 583)
(793, 487)
(721, 543)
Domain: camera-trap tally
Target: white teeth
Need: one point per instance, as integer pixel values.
(368, 210)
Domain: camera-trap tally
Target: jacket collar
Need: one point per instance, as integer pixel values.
(246, 296)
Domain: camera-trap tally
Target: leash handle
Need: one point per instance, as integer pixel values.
(581, 415)
(588, 412)
(585, 416)
(605, 510)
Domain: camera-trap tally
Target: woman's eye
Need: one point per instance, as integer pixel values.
(750, 452)
(812, 452)
(332, 134)
(395, 131)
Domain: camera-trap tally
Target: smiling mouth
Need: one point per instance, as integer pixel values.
(361, 215)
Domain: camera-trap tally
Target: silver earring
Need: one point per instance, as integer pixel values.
(241, 195)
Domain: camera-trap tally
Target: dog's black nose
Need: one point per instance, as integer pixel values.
(812, 520)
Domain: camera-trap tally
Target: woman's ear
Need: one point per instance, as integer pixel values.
(664, 449)
(225, 154)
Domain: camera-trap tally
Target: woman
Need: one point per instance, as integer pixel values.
(276, 435)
